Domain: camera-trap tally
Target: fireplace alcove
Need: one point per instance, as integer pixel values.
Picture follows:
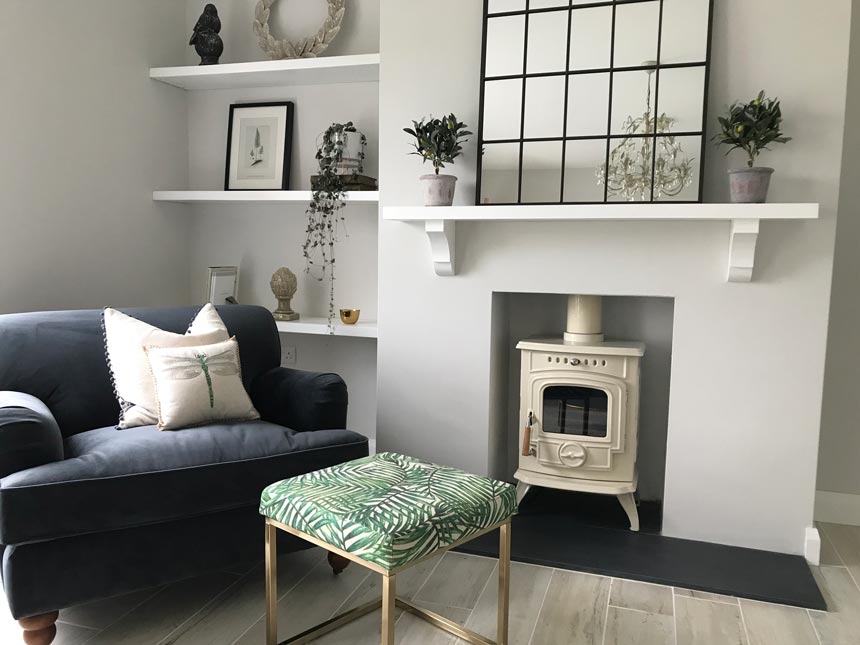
(588, 532)
(518, 316)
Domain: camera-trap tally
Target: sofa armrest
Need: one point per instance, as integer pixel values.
(29, 434)
(301, 400)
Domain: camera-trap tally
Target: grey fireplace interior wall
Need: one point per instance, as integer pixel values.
(647, 319)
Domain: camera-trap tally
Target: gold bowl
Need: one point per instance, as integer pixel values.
(350, 316)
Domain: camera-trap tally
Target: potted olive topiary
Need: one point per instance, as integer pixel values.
(438, 141)
(752, 127)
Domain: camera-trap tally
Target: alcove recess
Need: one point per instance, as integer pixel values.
(260, 231)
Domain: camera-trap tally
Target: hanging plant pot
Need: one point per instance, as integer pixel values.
(749, 185)
(325, 212)
(438, 189)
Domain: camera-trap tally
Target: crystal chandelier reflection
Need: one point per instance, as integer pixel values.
(631, 161)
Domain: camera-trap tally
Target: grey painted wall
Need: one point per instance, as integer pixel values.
(86, 137)
(839, 464)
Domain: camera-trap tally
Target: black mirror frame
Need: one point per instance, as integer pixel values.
(611, 70)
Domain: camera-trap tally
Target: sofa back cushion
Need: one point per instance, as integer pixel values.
(59, 357)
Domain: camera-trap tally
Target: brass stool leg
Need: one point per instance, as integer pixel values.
(389, 598)
(504, 583)
(271, 585)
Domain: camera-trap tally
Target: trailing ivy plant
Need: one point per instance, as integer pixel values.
(438, 140)
(327, 202)
(752, 127)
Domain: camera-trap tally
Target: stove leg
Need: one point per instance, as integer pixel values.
(628, 503)
(522, 491)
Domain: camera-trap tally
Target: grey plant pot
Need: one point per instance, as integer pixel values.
(438, 189)
(749, 185)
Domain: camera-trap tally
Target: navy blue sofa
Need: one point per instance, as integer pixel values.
(88, 511)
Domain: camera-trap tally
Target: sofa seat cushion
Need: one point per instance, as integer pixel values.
(114, 479)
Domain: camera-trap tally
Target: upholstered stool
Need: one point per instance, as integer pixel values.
(388, 513)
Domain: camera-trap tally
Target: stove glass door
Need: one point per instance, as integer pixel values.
(575, 410)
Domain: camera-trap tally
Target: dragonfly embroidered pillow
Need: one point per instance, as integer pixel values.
(199, 385)
(125, 339)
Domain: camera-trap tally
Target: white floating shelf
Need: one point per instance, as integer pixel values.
(319, 327)
(252, 196)
(598, 212)
(440, 223)
(362, 68)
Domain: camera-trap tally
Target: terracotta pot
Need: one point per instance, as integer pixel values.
(749, 185)
(438, 189)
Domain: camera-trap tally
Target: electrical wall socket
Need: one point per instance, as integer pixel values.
(288, 355)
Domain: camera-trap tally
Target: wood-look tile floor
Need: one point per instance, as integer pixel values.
(548, 607)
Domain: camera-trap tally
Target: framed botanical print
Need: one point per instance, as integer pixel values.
(259, 142)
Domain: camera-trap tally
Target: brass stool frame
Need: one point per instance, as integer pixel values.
(389, 599)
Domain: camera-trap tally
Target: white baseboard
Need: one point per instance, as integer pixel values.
(371, 446)
(812, 546)
(837, 508)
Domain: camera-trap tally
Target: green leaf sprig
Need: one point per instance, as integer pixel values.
(438, 140)
(752, 127)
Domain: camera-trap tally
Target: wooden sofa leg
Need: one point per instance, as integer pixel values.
(337, 562)
(41, 629)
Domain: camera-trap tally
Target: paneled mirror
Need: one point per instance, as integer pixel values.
(587, 101)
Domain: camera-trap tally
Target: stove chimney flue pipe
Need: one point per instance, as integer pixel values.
(584, 320)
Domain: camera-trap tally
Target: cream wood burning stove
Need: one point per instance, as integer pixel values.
(579, 399)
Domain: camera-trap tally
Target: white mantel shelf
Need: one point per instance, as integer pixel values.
(363, 68)
(253, 196)
(440, 223)
(319, 327)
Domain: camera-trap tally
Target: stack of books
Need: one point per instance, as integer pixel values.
(352, 182)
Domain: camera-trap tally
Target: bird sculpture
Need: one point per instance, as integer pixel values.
(207, 43)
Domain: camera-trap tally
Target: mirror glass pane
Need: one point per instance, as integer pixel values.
(500, 173)
(581, 161)
(685, 31)
(501, 6)
(503, 102)
(680, 99)
(541, 171)
(630, 101)
(546, 4)
(547, 42)
(678, 169)
(590, 38)
(675, 166)
(587, 105)
(636, 27)
(505, 45)
(544, 107)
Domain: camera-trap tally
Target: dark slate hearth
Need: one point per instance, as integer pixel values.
(588, 533)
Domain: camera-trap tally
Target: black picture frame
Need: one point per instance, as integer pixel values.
(284, 179)
(570, 6)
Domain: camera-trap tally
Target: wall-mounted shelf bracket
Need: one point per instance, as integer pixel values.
(441, 233)
(742, 243)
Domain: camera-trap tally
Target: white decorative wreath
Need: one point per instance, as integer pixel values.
(304, 48)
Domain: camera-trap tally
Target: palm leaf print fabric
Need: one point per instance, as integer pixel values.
(389, 509)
